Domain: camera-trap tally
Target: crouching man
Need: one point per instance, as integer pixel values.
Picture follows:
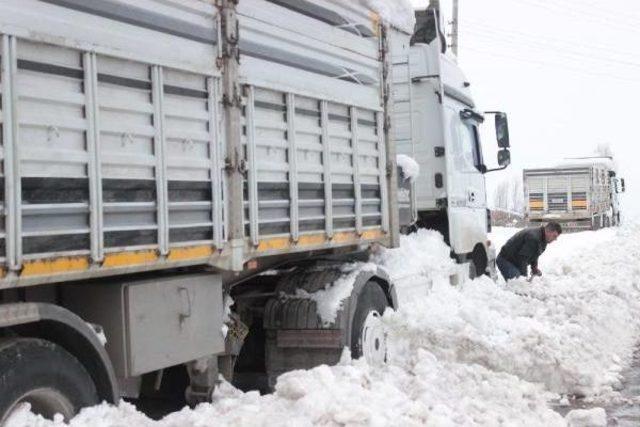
(524, 248)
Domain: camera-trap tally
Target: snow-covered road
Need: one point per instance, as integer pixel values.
(479, 354)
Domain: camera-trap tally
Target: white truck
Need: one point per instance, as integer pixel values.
(438, 125)
(580, 194)
(175, 172)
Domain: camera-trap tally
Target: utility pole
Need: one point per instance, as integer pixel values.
(454, 28)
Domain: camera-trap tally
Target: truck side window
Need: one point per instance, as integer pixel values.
(470, 146)
(465, 142)
(467, 154)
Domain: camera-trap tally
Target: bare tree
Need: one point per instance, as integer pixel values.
(508, 195)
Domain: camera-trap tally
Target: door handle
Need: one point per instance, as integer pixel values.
(471, 196)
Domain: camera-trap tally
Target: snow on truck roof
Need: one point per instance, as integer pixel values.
(398, 13)
(606, 162)
(577, 163)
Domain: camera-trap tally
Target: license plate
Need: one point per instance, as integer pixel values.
(572, 224)
(557, 200)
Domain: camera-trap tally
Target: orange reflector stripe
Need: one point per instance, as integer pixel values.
(124, 259)
(194, 252)
(52, 266)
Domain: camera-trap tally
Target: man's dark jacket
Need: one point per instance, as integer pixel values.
(524, 248)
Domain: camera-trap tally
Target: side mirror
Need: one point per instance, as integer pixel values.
(504, 158)
(502, 130)
(622, 184)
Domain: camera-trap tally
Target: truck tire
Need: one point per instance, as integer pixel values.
(46, 376)
(357, 327)
(473, 270)
(368, 338)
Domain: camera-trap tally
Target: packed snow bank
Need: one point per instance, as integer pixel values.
(478, 354)
(560, 330)
(424, 391)
(398, 13)
(596, 417)
(410, 168)
(422, 259)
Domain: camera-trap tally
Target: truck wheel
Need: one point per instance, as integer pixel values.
(44, 375)
(368, 338)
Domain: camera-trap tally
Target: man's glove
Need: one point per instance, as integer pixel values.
(535, 271)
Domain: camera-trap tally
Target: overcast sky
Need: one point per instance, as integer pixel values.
(567, 72)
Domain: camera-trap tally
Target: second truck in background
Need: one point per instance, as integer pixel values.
(580, 194)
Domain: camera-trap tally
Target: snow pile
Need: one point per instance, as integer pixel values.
(559, 331)
(330, 299)
(422, 259)
(596, 417)
(410, 168)
(398, 13)
(425, 391)
(478, 354)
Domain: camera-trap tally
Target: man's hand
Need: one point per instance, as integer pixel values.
(535, 271)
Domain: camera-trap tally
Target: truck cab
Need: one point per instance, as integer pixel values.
(439, 127)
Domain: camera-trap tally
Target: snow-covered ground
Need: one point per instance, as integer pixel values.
(478, 354)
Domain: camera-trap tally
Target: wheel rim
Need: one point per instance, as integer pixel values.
(43, 401)
(374, 339)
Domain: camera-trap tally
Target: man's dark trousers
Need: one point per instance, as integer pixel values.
(507, 269)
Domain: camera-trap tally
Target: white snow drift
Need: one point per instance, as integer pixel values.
(478, 354)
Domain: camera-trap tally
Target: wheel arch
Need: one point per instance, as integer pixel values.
(382, 279)
(64, 328)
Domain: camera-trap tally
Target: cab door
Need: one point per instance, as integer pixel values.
(467, 200)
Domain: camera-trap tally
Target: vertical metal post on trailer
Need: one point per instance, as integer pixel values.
(390, 146)
(215, 141)
(293, 166)
(326, 162)
(382, 160)
(252, 172)
(93, 147)
(233, 114)
(357, 187)
(13, 186)
(161, 168)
